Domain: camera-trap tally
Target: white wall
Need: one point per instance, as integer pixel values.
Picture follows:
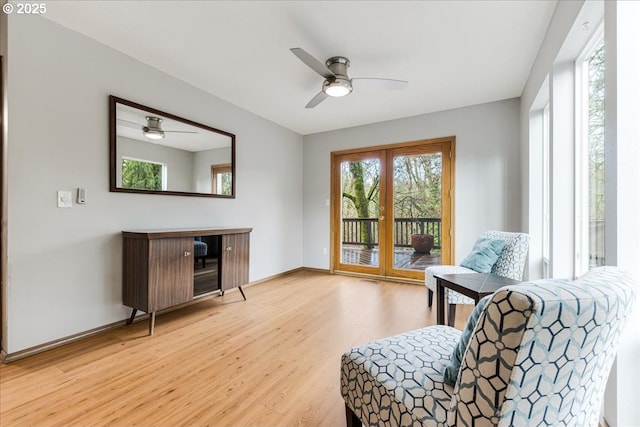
(64, 265)
(487, 179)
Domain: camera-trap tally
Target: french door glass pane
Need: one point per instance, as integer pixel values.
(417, 210)
(360, 184)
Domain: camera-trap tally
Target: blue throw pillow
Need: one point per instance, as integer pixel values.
(484, 254)
(451, 371)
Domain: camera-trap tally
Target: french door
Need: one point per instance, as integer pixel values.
(392, 208)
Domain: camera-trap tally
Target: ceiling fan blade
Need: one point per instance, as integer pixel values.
(178, 131)
(375, 83)
(321, 96)
(127, 123)
(312, 62)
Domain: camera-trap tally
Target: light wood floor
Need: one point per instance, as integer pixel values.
(273, 360)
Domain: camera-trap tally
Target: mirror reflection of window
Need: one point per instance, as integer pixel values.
(221, 179)
(143, 175)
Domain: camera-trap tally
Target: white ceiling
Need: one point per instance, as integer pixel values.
(130, 122)
(453, 53)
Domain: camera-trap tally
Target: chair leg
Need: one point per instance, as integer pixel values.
(430, 299)
(204, 261)
(452, 315)
(352, 420)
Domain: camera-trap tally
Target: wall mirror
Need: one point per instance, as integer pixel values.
(153, 152)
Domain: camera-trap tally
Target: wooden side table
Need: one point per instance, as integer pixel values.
(473, 285)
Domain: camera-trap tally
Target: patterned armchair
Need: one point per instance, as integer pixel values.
(510, 264)
(540, 354)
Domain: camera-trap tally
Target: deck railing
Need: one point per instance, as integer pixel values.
(365, 231)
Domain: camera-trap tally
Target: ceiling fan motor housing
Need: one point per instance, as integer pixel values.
(338, 66)
(340, 85)
(153, 130)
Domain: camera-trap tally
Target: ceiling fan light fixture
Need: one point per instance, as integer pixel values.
(152, 133)
(337, 87)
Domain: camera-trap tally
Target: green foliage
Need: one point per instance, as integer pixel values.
(141, 175)
(417, 186)
(360, 191)
(225, 183)
(360, 188)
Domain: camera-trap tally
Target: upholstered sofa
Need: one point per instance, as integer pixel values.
(539, 354)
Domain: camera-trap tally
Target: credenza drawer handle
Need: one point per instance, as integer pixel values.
(187, 253)
(228, 249)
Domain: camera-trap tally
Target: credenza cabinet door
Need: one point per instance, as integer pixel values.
(234, 261)
(170, 272)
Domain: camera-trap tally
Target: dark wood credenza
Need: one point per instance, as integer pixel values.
(159, 267)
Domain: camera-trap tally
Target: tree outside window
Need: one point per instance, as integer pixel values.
(142, 175)
(595, 128)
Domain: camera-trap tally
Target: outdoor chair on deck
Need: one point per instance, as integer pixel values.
(509, 264)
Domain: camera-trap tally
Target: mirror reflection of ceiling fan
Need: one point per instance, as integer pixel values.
(336, 81)
(153, 128)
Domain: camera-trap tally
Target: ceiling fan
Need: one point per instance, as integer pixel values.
(153, 128)
(336, 81)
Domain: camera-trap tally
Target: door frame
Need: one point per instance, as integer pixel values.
(385, 269)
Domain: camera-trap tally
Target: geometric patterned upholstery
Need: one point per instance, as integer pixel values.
(509, 264)
(199, 248)
(540, 355)
(399, 380)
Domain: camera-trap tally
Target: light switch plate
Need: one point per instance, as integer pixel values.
(64, 199)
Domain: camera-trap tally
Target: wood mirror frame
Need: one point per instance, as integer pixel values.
(188, 159)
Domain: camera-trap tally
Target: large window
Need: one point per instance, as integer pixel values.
(590, 231)
(143, 174)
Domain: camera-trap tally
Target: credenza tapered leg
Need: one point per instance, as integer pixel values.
(133, 316)
(242, 292)
(152, 322)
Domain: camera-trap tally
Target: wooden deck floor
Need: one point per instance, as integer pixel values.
(402, 258)
(273, 360)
